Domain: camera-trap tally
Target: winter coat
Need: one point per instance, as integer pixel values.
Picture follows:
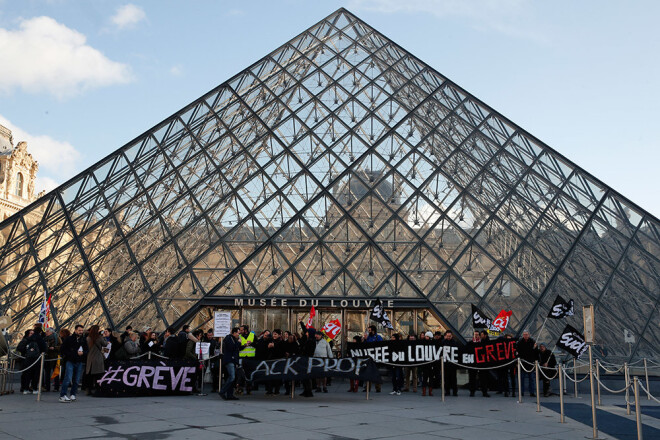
(526, 351)
(70, 346)
(171, 347)
(132, 348)
(230, 350)
(190, 350)
(53, 341)
(322, 349)
(277, 350)
(291, 348)
(95, 357)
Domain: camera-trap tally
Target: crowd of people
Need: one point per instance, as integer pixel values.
(79, 357)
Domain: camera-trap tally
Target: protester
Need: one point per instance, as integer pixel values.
(53, 344)
(131, 346)
(527, 352)
(230, 356)
(170, 344)
(308, 347)
(477, 379)
(275, 350)
(410, 373)
(547, 362)
(94, 366)
(397, 372)
(110, 350)
(451, 382)
(428, 371)
(322, 350)
(190, 353)
(74, 350)
(372, 335)
(124, 335)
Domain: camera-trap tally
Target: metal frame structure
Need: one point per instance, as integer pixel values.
(338, 166)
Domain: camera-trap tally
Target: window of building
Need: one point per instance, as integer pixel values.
(19, 185)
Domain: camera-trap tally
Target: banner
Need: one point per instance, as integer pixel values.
(572, 341)
(221, 324)
(301, 368)
(148, 378)
(411, 353)
(500, 323)
(561, 308)
(332, 329)
(379, 315)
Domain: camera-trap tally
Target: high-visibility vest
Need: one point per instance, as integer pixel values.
(250, 350)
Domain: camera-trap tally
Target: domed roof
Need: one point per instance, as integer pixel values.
(360, 187)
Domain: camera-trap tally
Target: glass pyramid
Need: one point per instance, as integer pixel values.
(338, 166)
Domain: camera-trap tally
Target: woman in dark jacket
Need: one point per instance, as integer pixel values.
(95, 366)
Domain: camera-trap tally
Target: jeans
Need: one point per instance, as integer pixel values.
(531, 378)
(397, 378)
(72, 376)
(228, 388)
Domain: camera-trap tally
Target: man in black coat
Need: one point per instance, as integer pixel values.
(230, 350)
(307, 348)
(74, 351)
(275, 349)
(451, 383)
(527, 352)
(547, 362)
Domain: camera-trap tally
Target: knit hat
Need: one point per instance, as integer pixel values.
(311, 331)
(429, 334)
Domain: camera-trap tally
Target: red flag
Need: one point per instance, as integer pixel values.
(312, 314)
(332, 328)
(501, 321)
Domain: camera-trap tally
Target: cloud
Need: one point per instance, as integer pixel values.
(509, 17)
(46, 56)
(128, 16)
(58, 160)
(176, 70)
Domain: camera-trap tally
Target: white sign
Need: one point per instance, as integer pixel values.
(628, 336)
(589, 326)
(202, 350)
(221, 324)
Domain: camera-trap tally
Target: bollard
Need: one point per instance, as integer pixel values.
(627, 379)
(575, 382)
(538, 395)
(368, 389)
(149, 355)
(561, 394)
(646, 373)
(293, 386)
(638, 413)
(41, 376)
(593, 399)
(598, 381)
(442, 378)
(519, 382)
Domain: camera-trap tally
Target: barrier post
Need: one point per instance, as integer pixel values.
(598, 381)
(627, 379)
(593, 399)
(646, 374)
(538, 395)
(293, 386)
(149, 355)
(561, 394)
(220, 365)
(575, 382)
(368, 389)
(442, 378)
(638, 413)
(41, 376)
(519, 381)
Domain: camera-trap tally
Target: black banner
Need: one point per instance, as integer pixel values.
(300, 368)
(572, 341)
(561, 308)
(148, 378)
(410, 353)
(379, 315)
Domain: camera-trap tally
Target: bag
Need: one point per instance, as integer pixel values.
(208, 377)
(32, 351)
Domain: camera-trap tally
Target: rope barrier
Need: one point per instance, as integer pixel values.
(647, 391)
(610, 371)
(21, 371)
(586, 376)
(549, 368)
(610, 390)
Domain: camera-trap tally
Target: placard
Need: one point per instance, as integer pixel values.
(148, 378)
(221, 324)
(202, 350)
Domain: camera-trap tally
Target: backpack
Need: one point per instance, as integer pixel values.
(32, 350)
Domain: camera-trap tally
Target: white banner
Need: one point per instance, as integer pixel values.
(221, 324)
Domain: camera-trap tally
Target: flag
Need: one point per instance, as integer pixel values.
(500, 323)
(379, 315)
(561, 308)
(44, 312)
(572, 341)
(312, 314)
(479, 319)
(332, 328)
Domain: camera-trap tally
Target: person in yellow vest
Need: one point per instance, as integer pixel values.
(246, 339)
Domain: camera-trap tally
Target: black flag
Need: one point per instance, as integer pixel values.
(572, 341)
(561, 308)
(379, 315)
(479, 319)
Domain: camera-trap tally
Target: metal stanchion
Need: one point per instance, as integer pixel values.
(149, 355)
(41, 376)
(519, 381)
(561, 394)
(368, 389)
(627, 379)
(293, 387)
(538, 395)
(646, 374)
(442, 378)
(575, 382)
(598, 381)
(593, 398)
(638, 412)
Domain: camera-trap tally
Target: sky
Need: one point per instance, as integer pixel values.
(79, 79)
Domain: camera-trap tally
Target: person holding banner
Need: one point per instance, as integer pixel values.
(451, 382)
(308, 347)
(230, 356)
(477, 379)
(372, 335)
(527, 352)
(548, 362)
(322, 350)
(275, 350)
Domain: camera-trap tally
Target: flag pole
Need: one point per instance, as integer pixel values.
(541, 331)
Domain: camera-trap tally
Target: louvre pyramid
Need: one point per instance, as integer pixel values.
(337, 166)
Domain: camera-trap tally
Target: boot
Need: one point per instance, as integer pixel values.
(430, 391)
(423, 391)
